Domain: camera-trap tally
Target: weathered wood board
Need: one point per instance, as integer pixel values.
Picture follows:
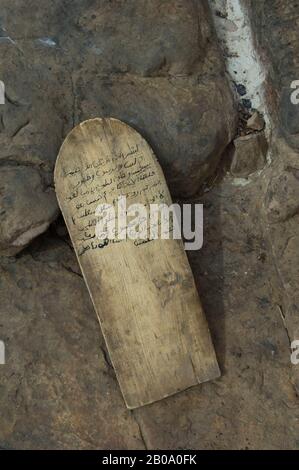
(143, 291)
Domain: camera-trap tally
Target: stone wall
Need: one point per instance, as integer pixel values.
(155, 65)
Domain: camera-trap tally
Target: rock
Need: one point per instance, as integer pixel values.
(28, 206)
(177, 100)
(282, 198)
(240, 291)
(256, 122)
(34, 118)
(163, 37)
(289, 118)
(241, 89)
(55, 350)
(58, 390)
(181, 120)
(247, 103)
(249, 154)
(275, 27)
(156, 65)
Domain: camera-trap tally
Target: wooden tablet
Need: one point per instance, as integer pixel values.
(143, 290)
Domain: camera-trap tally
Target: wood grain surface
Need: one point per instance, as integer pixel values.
(143, 291)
